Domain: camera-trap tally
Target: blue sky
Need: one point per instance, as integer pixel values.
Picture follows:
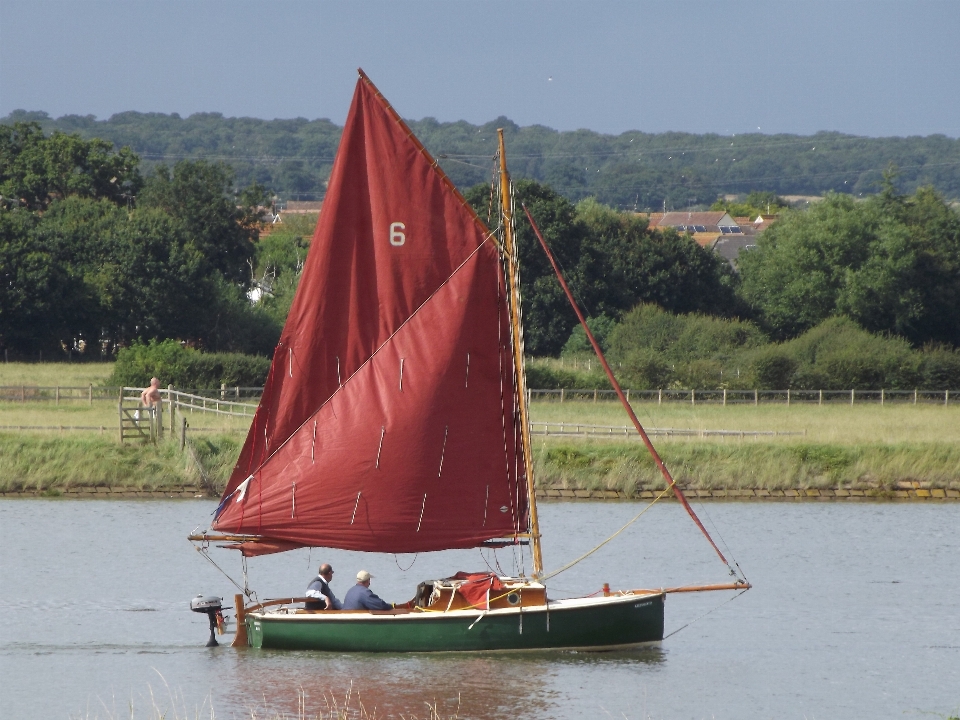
(866, 67)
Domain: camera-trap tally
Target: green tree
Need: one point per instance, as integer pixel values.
(220, 224)
(34, 288)
(36, 169)
(891, 263)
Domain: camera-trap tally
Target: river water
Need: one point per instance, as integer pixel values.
(855, 613)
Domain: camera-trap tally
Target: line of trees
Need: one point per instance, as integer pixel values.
(633, 170)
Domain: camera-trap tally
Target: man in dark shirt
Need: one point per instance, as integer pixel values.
(322, 597)
(360, 597)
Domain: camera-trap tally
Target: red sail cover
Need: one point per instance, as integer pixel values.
(388, 418)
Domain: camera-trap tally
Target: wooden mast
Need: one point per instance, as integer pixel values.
(513, 277)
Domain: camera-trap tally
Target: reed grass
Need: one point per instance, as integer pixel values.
(329, 707)
(53, 464)
(747, 464)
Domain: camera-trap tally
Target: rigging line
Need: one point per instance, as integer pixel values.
(706, 613)
(212, 562)
(569, 565)
(668, 478)
(397, 561)
(451, 158)
(386, 342)
(702, 508)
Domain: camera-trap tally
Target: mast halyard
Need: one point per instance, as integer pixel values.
(516, 329)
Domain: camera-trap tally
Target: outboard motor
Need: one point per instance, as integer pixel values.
(212, 606)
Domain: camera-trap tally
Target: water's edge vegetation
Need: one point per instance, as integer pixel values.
(50, 465)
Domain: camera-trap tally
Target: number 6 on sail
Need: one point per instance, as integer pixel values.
(397, 237)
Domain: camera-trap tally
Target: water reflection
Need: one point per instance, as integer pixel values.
(482, 685)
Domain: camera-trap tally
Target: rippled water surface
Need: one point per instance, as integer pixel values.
(855, 613)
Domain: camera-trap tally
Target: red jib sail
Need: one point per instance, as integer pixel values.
(388, 418)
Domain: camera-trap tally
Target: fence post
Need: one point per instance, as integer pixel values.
(237, 392)
(914, 396)
(788, 397)
(659, 397)
(852, 395)
(561, 394)
(756, 397)
(90, 394)
(946, 397)
(223, 391)
(171, 401)
(183, 432)
(724, 397)
(820, 401)
(594, 394)
(881, 397)
(693, 397)
(628, 396)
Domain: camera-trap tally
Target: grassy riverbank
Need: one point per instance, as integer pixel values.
(703, 465)
(51, 464)
(863, 446)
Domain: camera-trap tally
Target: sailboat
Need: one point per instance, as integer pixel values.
(394, 419)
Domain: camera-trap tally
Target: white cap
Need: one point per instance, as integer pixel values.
(363, 576)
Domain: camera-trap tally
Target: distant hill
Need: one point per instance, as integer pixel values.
(633, 170)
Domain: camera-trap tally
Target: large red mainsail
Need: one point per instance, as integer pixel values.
(388, 419)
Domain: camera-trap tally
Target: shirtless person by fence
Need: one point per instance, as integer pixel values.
(149, 398)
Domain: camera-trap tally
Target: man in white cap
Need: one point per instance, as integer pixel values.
(361, 597)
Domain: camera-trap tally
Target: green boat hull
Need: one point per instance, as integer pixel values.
(605, 623)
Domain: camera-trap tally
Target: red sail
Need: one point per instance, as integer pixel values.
(388, 419)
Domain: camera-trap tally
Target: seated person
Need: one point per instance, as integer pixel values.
(360, 597)
(322, 597)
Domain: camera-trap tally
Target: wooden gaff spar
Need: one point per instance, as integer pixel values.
(394, 419)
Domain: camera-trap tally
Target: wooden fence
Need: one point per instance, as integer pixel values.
(228, 400)
(612, 431)
(754, 397)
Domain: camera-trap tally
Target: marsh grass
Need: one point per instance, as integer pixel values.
(49, 463)
(707, 465)
(330, 706)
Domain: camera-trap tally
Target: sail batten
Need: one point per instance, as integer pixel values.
(367, 407)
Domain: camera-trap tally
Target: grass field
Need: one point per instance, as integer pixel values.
(50, 374)
(834, 423)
